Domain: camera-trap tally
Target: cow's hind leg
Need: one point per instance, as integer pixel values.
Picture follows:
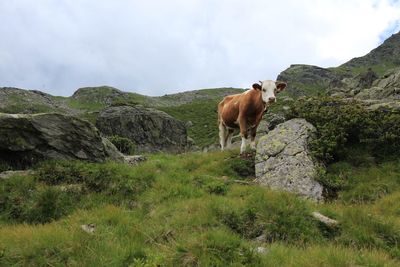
(229, 137)
(222, 135)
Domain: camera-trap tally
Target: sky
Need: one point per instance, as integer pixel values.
(157, 47)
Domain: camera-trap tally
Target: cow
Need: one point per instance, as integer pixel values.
(245, 111)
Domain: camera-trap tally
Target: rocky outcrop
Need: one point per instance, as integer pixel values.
(102, 94)
(387, 87)
(150, 129)
(14, 100)
(283, 160)
(347, 79)
(26, 139)
(305, 80)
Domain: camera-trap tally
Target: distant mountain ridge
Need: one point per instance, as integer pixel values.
(308, 80)
(16, 100)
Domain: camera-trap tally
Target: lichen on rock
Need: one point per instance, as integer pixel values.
(284, 162)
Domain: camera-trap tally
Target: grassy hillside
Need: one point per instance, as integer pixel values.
(203, 115)
(197, 106)
(190, 210)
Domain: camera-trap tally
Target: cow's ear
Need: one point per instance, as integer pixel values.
(280, 86)
(256, 86)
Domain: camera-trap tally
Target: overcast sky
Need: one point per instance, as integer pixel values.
(155, 47)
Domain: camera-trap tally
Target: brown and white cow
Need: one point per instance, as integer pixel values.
(245, 111)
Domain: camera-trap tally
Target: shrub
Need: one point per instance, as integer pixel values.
(123, 144)
(4, 166)
(217, 187)
(341, 124)
(107, 178)
(242, 166)
(332, 182)
(23, 200)
(48, 204)
(59, 186)
(124, 102)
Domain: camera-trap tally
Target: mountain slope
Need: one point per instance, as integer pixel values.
(383, 57)
(198, 107)
(306, 80)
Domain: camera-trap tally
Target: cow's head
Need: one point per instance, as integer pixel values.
(269, 89)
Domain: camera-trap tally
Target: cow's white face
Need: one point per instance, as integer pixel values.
(269, 89)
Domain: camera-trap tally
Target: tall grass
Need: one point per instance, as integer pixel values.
(187, 210)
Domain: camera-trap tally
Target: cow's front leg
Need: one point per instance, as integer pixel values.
(253, 132)
(243, 134)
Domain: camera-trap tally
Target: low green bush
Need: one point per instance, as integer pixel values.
(242, 166)
(4, 166)
(107, 178)
(23, 200)
(342, 125)
(217, 187)
(59, 187)
(123, 144)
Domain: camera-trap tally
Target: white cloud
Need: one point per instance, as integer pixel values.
(156, 47)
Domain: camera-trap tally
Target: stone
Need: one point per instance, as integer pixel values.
(261, 238)
(135, 159)
(261, 250)
(283, 160)
(29, 138)
(89, 228)
(151, 130)
(325, 220)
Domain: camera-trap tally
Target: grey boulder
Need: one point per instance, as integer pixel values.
(28, 138)
(283, 160)
(150, 129)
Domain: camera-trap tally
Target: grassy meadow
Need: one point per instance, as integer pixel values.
(195, 209)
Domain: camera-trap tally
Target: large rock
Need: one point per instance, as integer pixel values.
(283, 160)
(150, 129)
(387, 87)
(26, 139)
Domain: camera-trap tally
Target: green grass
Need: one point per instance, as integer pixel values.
(203, 115)
(85, 105)
(17, 104)
(187, 210)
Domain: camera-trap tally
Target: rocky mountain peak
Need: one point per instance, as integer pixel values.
(388, 52)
